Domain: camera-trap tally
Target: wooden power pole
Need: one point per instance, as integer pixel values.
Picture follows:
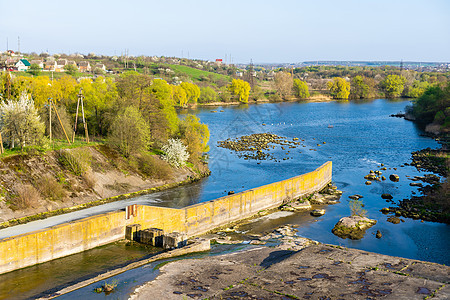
(80, 100)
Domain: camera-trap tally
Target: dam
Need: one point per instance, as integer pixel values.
(43, 245)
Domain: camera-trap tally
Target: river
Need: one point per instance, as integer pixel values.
(361, 138)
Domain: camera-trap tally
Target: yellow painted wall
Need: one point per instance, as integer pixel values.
(43, 245)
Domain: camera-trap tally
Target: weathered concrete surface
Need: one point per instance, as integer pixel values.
(43, 245)
(194, 245)
(316, 272)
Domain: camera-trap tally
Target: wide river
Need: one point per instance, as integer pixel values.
(361, 138)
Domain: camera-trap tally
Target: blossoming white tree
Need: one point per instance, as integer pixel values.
(176, 153)
(20, 122)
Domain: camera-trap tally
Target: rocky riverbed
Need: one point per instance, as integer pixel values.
(434, 202)
(257, 146)
(297, 268)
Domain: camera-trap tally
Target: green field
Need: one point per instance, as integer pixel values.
(196, 74)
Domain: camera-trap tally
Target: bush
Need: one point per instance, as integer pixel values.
(175, 153)
(153, 167)
(77, 161)
(356, 208)
(50, 188)
(26, 196)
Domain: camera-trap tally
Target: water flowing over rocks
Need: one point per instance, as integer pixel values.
(256, 146)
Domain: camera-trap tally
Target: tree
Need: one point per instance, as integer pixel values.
(70, 69)
(393, 86)
(34, 69)
(20, 122)
(283, 84)
(359, 89)
(339, 88)
(301, 89)
(241, 89)
(417, 89)
(433, 105)
(192, 91)
(179, 95)
(175, 153)
(129, 132)
(196, 137)
(207, 94)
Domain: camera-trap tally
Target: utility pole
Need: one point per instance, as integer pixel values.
(18, 44)
(80, 100)
(50, 119)
(250, 74)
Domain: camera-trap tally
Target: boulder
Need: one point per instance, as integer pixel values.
(387, 196)
(353, 227)
(378, 235)
(317, 212)
(368, 182)
(394, 177)
(393, 220)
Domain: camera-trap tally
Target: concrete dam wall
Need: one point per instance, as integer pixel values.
(43, 245)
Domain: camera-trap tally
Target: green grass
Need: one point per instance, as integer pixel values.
(56, 145)
(196, 74)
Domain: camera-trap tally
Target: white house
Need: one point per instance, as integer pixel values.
(22, 65)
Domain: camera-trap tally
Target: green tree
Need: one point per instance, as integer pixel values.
(417, 89)
(433, 105)
(179, 95)
(358, 88)
(339, 88)
(196, 137)
(393, 85)
(34, 69)
(301, 89)
(129, 132)
(192, 91)
(241, 89)
(207, 94)
(70, 69)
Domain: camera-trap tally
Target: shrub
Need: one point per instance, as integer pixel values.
(26, 196)
(356, 208)
(77, 161)
(50, 188)
(152, 167)
(175, 153)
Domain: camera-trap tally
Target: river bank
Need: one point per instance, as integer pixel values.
(108, 178)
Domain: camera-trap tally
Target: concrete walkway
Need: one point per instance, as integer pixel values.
(316, 272)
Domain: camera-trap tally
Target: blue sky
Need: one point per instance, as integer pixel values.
(265, 31)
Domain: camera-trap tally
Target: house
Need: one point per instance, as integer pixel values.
(100, 66)
(84, 66)
(60, 64)
(38, 62)
(22, 65)
(239, 74)
(50, 66)
(219, 61)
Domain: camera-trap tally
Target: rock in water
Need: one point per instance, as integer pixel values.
(378, 235)
(394, 177)
(353, 227)
(317, 212)
(387, 196)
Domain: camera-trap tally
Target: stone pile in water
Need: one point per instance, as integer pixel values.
(253, 146)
